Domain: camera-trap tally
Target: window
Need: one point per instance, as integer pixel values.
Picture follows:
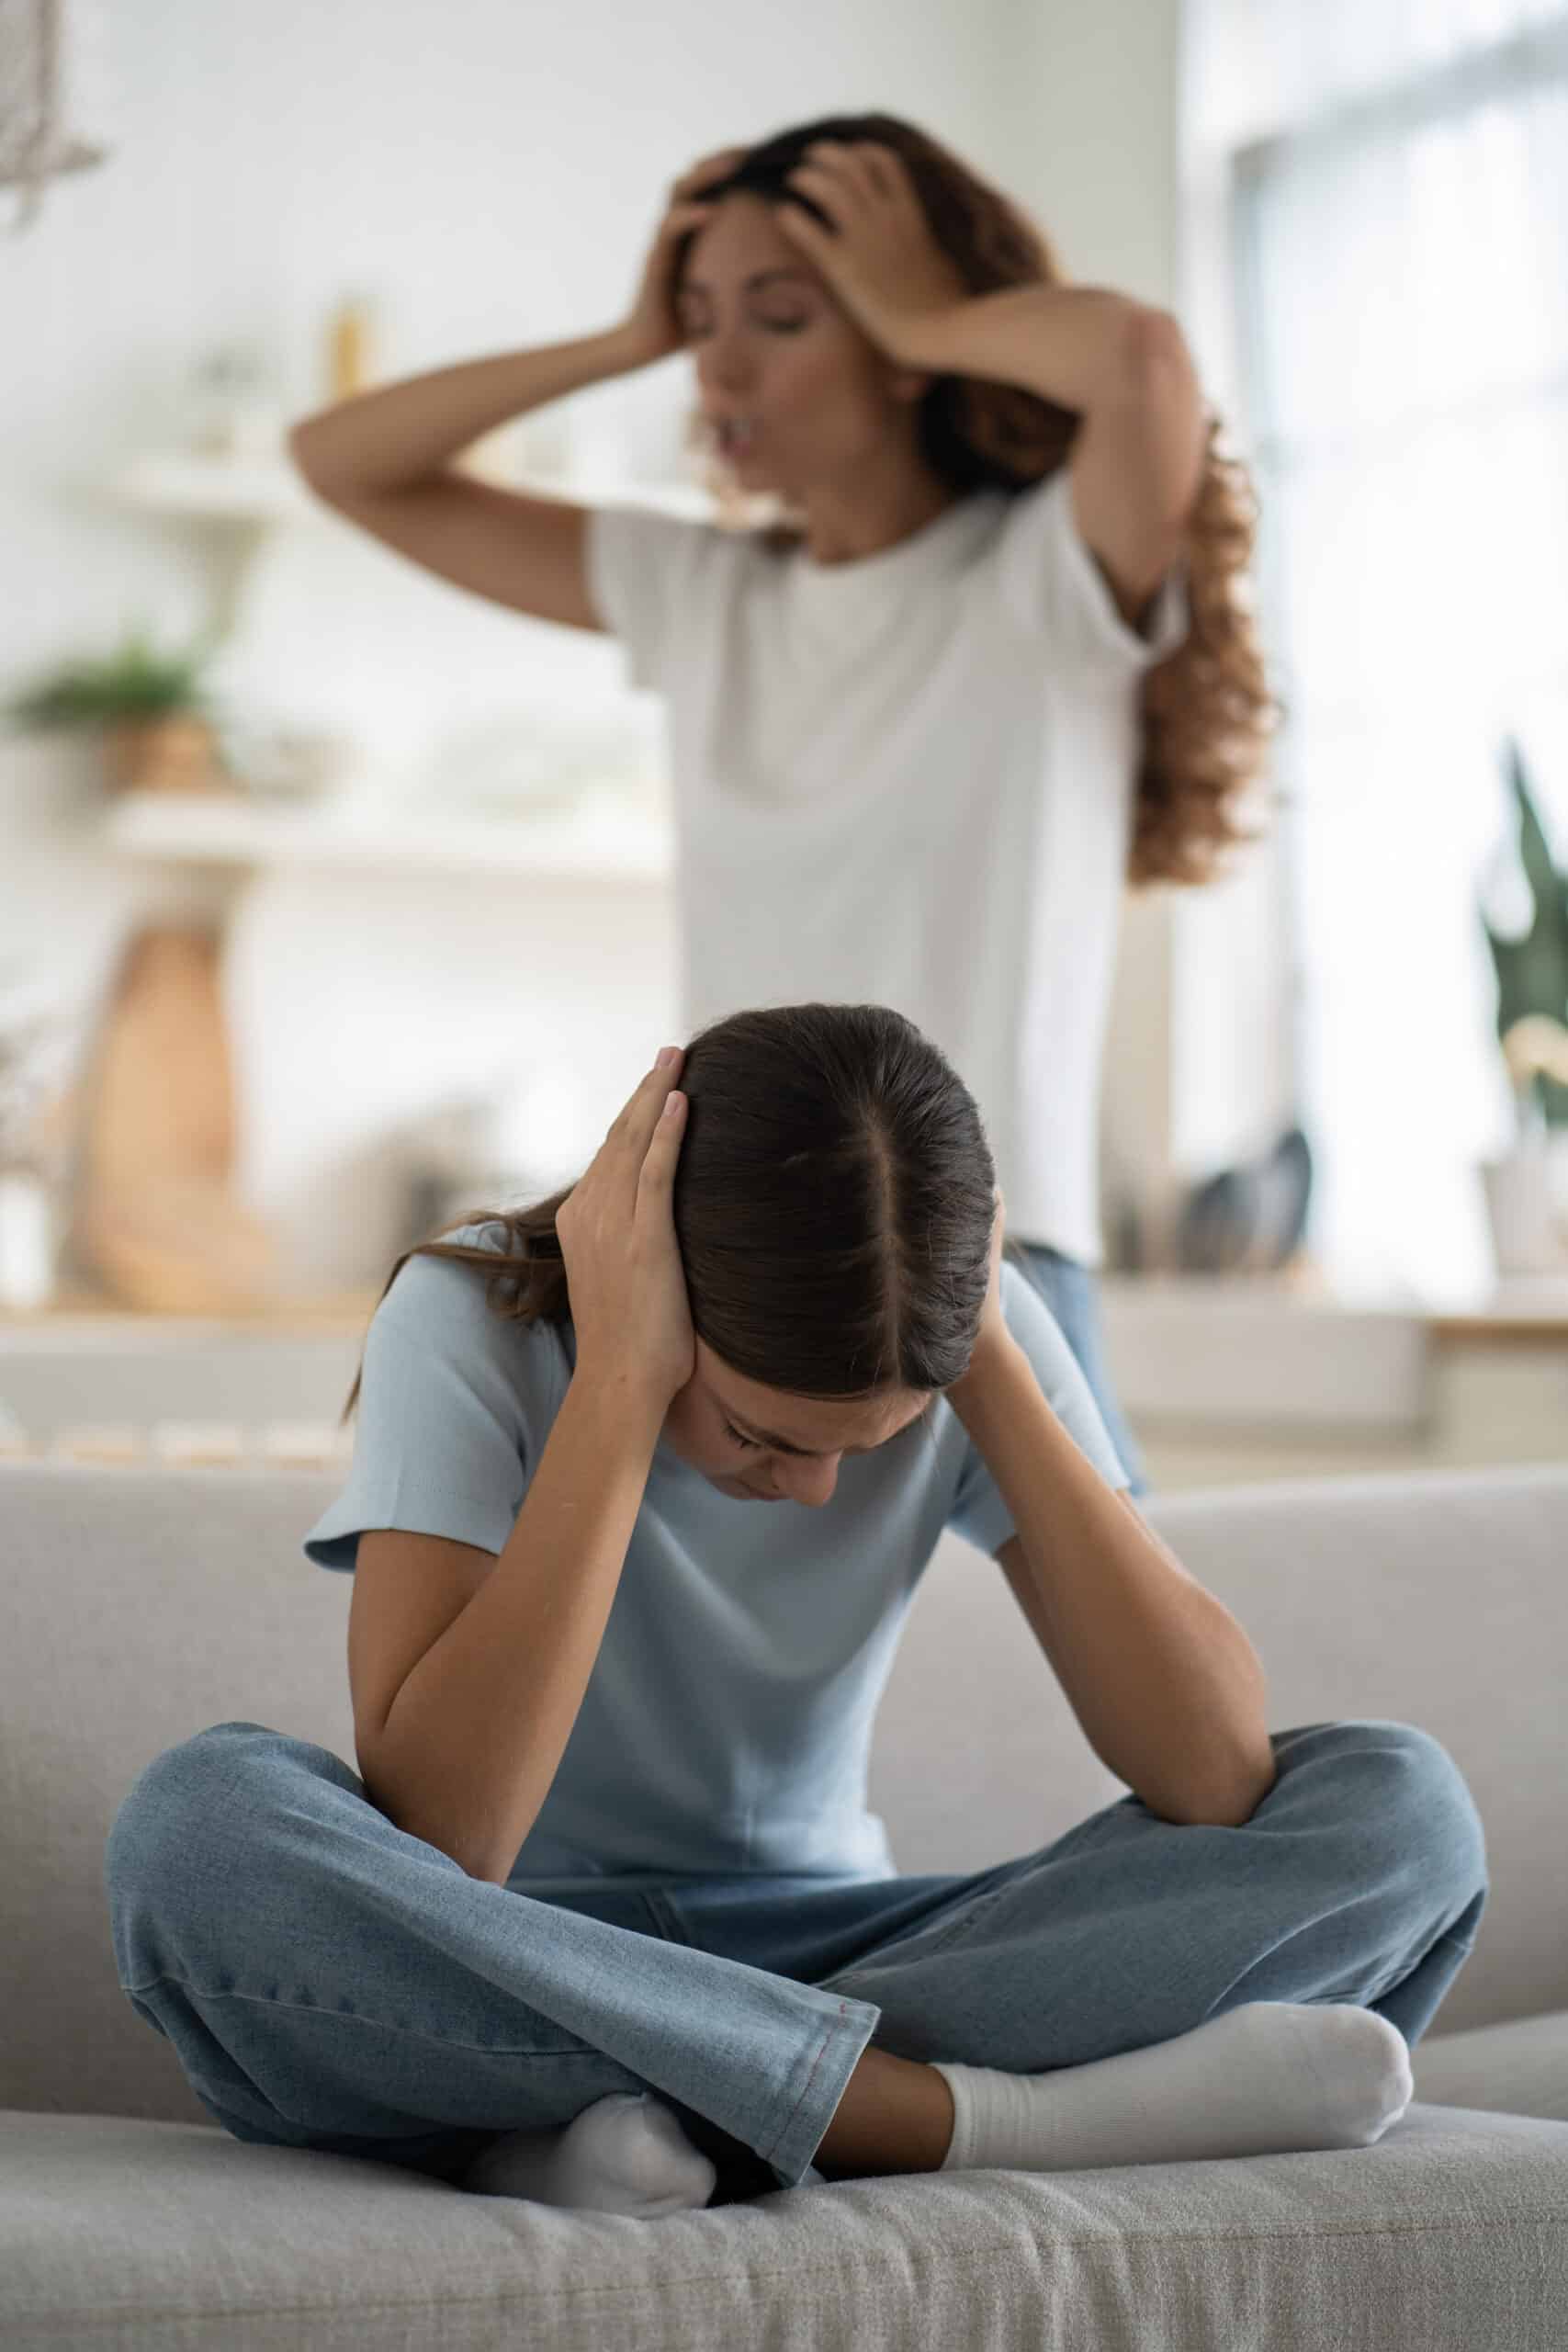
(1395, 226)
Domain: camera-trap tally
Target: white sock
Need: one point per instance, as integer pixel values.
(626, 2153)
(1270, 2079)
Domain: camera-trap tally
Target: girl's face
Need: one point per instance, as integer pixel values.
(797, 396)
(762, 1444)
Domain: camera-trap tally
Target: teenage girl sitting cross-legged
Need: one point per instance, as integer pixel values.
(645, 1479)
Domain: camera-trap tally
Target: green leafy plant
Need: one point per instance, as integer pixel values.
(136, 681)
(1532, 966)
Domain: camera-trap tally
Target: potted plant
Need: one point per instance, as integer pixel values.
(157, 725)
(1526, 1189)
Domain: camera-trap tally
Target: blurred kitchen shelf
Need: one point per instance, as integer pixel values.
(270, 489)
(76, 1319)
(241, 489)
(219, 829)
(1248, 1369)
(1255, 1350)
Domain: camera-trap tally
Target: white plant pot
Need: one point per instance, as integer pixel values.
(1524, 1202)
(26, 1242)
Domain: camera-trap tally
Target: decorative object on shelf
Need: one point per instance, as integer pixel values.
(280, 762)
(26, 1239)
(156, 1221)
(43, 49)
(158, 727)
(514, 1140)
(276, 1445)
(1527, 1190)
(236, 412)
(1248, 1219)
(30, 1034)
(542, 761)
(1531, 963)
(351, 348)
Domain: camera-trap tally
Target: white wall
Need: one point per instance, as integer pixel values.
(488, 174)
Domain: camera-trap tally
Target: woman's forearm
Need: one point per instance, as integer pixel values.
(1167, 1687)
(473, 1738)
(400, 433)
(1077, 346)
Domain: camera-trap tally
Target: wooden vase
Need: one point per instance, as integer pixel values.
(156, 1220)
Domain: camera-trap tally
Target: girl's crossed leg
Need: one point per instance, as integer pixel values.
(329, 1982)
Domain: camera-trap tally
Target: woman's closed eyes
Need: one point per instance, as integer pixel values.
(694, 326)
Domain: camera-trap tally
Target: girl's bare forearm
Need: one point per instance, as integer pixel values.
(1167, 1687)
(473, 1738)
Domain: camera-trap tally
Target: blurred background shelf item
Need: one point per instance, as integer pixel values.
(240, 490)
(1229, 1379)
(269, 490)
(598, 840)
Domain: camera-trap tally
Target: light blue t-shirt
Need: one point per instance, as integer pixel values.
(726, 1723)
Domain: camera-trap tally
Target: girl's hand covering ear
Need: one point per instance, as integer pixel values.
(625, 1284)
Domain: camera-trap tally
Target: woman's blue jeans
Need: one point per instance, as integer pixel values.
(329, 1982)
(1072, 1292)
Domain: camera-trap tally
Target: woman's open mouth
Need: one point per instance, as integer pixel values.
(734, 437)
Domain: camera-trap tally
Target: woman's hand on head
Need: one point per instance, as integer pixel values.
(879, 256)
(625, 1284)
(652, 325)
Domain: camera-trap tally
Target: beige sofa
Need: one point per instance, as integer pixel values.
(138, 1605)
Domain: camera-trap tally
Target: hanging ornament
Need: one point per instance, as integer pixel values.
(42, 49)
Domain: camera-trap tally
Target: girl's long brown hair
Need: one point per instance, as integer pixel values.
(833, 1206)
(1207, 710)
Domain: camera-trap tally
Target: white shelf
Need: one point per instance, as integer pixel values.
(268, 490)
(589, 845)
(228, 489)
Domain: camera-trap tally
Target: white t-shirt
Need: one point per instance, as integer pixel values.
(907, 780)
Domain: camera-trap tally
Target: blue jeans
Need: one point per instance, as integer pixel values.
(329, 1982)
(1072, 1294)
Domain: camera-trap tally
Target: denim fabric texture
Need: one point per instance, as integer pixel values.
(329, 1982)
(1072, 1292)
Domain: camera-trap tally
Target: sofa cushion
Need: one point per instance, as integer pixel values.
(140, 1606)
(1451, 2233)
(1521, 2067)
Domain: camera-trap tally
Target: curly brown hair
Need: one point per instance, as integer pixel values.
(1207, 711)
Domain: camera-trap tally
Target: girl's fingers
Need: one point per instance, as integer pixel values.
(651, 1096)
(635, 1121)
(657, 1174)
(665, 1141)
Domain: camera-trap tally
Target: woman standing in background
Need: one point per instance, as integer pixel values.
(995, 660)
